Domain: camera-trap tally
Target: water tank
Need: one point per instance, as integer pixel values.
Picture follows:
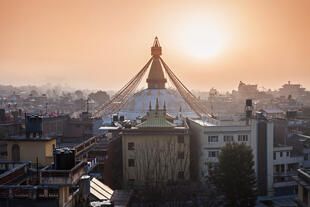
(248, 102)
(64, 159)
(70, 159)
(34, 125)
(2, 114)
(122, 118)
(57, 157)
(248, 113)
(115, 118)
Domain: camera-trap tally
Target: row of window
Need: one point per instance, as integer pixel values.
(281, 154)
(131, 162)
(131, 145)
(228, 138)
(213, 153)
(180, 177)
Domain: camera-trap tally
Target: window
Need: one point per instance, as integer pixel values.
(287, 154)
(15, 152)
(213, 153)
(131, 162)
(131, 181)
(228, 138)
(180, 155)
(281, 154)
(213, 138)
(306, 156)
(243, 138)
(180, 175)
(181, 139)
(274, 155)
(131, 146)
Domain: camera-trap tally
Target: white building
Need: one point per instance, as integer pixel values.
(285, 166)
(209, 137)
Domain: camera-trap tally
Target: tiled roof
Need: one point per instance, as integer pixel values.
(156, 119)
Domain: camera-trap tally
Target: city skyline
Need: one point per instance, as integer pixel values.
(79, 44)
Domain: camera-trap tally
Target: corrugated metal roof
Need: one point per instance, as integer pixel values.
(100, 190)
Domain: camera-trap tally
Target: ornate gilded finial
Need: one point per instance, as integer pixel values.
(164, 105)
(150, 106)
(157, 104)
(156, 49)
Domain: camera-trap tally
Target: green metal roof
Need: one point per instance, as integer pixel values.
(156, 119)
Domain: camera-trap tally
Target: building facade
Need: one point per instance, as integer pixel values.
(207, 139)
(156, 151)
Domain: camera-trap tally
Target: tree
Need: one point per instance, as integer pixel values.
(79, 104)
(100, 97)
(79, 94)
(235, 176)
(34, 93)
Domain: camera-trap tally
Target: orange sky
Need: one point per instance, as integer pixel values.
(101, 44)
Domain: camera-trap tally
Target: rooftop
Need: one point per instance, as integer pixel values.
(30, 139)
(156, 118)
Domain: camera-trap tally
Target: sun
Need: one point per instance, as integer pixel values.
(202, 38)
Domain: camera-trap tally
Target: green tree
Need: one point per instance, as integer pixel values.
(235, 176)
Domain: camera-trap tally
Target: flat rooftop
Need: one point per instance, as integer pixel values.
(204, 122)
(207, 123)
(30, 139)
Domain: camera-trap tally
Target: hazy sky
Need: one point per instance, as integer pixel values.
(101, 44)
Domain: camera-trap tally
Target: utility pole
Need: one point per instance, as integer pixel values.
(87, 105)
(46, 108)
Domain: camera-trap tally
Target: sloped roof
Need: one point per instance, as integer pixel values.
(159, 122)
(156, 119)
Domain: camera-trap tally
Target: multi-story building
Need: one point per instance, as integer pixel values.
(286, 163)
(157, 150)
(209, 136)
(247, 90)
(294, 90)
(108, 153)
(303, 180)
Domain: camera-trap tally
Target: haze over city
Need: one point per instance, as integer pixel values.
(201, 103)
(102, 44)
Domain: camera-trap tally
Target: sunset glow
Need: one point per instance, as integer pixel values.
(202, 38)
(55, 42)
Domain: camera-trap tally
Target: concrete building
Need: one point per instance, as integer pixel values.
(209, 136)
(64, 183)
(295, 90)
(108, 153)
(303, 180)
(30, 149)
(157, 150)
(286, 162)
(247, 90)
